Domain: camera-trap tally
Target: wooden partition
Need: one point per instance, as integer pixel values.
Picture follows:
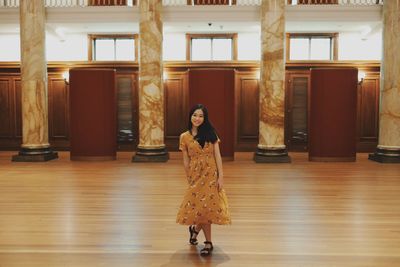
(176, 85)
(215, 89)
(333, 115)
(315, 2)
(210, 2)
(108, 2)
(93, 114)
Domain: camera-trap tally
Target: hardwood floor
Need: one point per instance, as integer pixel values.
(118, 213)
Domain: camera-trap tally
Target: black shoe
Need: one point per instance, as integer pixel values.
(207, 251)
(192, 231)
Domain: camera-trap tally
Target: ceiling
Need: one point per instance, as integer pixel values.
(361, 19)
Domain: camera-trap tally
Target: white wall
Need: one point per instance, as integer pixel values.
(9, 47)
(75, 47)
(174, 46)
(249, 46)
(353, 47)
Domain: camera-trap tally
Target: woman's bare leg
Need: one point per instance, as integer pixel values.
(197, 228)
(207, 233)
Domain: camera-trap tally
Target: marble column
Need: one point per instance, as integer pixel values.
(35, 141)
(271, 147)
(388, 149)
(151, 95)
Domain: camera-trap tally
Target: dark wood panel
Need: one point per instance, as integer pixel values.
(210, 2)
(176, 107)
(11, 71)
(317, 2)
(333, 114)
(296, 110)
(215, 89)
(93, 113)
(107, 2)
(58, 109)
(127, 111)
(127, 120)
(368, 113)
(6, 105)
(249, 108)
(369, 109)
(246, 110)
(17, 107)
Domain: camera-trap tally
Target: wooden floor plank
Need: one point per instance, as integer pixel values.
(118, 213)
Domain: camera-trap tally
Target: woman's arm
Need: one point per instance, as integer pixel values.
(186, 161)
(218, 160)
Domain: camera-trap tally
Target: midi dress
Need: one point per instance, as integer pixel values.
(202, 203)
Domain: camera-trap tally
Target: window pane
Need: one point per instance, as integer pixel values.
(201, 49)
(299, 48)
(104, 49)
(321, 48)
(222, 49)
(125, 49)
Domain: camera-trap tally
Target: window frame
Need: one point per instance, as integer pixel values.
(334, 44)
(190, 36)
(92, 38)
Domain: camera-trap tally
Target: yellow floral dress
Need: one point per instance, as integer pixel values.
(203, 202)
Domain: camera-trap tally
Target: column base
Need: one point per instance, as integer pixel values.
(35, 155)
(151, 155)
(385, 155)
(271, 156)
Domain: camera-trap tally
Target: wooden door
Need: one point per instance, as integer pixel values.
(247, 110)
(296, 110)
(176, 107)
(58, 112)
(127, 111)
(368, 113)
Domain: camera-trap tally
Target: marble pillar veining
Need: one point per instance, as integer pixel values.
(388, 149)
(35, 145)
(151, 97)
(271, 147)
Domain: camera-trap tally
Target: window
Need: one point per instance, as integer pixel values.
(113, 47)
(211, 47)
(311, 46)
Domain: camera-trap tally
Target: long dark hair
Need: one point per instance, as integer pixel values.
(205, 132)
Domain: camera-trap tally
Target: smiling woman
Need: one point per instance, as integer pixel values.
(205, 201)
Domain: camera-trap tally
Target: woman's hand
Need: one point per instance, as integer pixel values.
(220, 183)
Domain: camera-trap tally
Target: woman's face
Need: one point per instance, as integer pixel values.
(197, 117)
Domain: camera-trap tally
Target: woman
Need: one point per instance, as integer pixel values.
(205, 200)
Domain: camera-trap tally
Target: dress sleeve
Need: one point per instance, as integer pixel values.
(218, 140)
(182, 143)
